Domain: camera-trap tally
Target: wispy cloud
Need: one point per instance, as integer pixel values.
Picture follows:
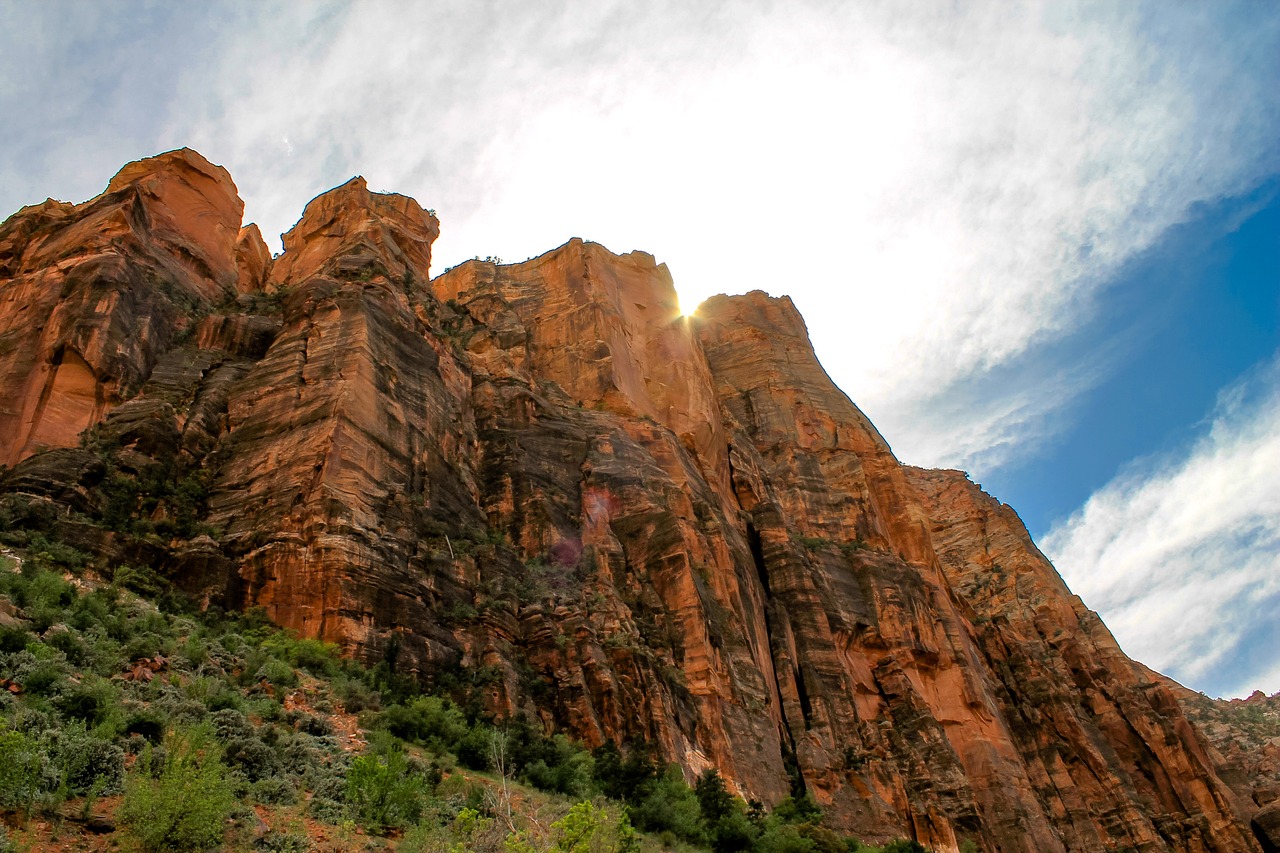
(941, 187)
(1181, 556)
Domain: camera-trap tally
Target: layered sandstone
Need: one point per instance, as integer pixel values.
(94, 293)
(624, 522)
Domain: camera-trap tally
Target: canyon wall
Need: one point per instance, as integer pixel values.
(627, 523)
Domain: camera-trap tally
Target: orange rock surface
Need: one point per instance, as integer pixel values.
(624, 522)
(94, 293)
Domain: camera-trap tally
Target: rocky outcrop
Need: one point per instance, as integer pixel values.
(541, 480)
(1244, 747)
(94, 293)
(1073, 702)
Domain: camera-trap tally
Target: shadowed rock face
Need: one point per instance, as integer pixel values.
(633, 524)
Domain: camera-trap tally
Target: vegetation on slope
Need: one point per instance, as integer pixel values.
(127, 717)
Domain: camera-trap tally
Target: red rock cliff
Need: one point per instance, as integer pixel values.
(634, 524)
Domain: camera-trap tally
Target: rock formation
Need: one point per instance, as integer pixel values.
(539, 476)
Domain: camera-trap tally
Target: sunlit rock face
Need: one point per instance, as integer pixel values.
(94, 293)
(625, 523)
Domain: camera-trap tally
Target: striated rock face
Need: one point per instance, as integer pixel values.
(94, 293)
(540, 477)
(1244, 740)
(1073, 702)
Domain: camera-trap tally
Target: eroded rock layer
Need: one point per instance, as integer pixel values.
(624, 522)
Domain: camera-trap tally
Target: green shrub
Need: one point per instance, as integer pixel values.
(277, 673)
(567, 769)
(85, 763)
(782, 838)
(427, 720)
(732, 833)
(473, 751)
(628, 780)
(381, 790)
(251, 757)
(40, 670)
(588, 828)
(283, 842)
(229, 724)
(186, 808)
(671, 807)
(315, 656)
(13, 639)
(274, 791)
(20, 770)
(89, 702)
(146, 724)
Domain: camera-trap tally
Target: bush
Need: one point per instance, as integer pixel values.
(427, 720)
(20, 770)
(381, 790)
(186, 808)
(277, 673)
(13, 639)
(229, 724)
(670, 806)
(628, 780)
(146, 724)
(252, 757)
(781, 838)
(89, 702)
(568, 771)
(87, 764)
(274, 791)
(587, 828)
(317, 657)
(732, 832)
(474, 749)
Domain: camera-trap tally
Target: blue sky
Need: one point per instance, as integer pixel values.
(1034, 241)
(1188, 317)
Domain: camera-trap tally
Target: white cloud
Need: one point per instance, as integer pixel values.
(1181, 556)
(940, 187)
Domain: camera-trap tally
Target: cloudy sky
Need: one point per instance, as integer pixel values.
(1036, 241)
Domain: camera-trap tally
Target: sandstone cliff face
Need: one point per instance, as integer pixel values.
(1244, 747)
(626, 523)
(95, 292)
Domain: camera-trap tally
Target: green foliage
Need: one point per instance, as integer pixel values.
(473, 751)
(670, 808)
(20, 770)
(783, 838)
(85, 763)
(187, 806)
(316, 656)
(589, 828)
(278, 673)
(432, 721)
(713, 797)
(626, 779)
(798, 810)
(253, 758)
(111, 670)
(381, 789)
(732, 832)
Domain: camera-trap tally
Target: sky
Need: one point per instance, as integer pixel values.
(1037, 241)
